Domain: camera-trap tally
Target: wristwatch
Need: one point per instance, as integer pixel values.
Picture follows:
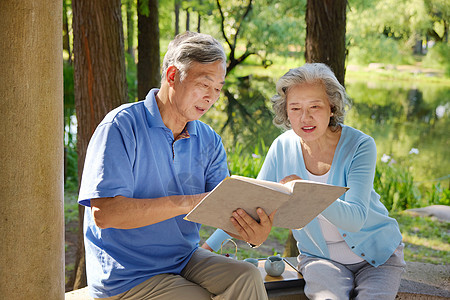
(253, 246)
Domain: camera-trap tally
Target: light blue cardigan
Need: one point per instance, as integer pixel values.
(361, 218)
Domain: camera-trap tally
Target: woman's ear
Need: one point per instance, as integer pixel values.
(333, 110)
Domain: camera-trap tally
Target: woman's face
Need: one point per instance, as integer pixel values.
(308, 110)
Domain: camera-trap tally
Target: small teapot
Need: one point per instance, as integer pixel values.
(274, 266)
(253, 261)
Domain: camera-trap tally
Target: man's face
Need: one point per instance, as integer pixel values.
(200, 89)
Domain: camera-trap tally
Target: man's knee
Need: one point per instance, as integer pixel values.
(249, 272)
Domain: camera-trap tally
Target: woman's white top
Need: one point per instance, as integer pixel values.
(338, 248)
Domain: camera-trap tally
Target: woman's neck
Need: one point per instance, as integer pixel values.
(318, 154)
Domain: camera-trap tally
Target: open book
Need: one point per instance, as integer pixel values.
(298, 201)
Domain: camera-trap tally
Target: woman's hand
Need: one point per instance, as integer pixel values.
(207, 247)
(249, 229)
(289, 178)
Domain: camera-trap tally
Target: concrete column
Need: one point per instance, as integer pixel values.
(31, 149)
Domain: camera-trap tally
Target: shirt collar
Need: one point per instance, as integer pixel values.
(155, 119)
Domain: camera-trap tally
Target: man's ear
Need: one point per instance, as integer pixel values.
(170, 75)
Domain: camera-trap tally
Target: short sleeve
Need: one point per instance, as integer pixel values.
(108, 165)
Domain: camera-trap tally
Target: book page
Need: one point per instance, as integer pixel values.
(308, 199)
(284, 188)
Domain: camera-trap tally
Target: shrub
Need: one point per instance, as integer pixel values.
(437, 57)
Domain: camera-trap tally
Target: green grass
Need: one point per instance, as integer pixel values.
(70, 206)
(426, 239)
(389, 75)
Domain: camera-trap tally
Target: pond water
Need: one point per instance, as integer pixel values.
(409, 121)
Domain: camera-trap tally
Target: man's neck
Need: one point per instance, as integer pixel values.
(168, 115)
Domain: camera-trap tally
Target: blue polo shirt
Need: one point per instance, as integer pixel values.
(133, 154)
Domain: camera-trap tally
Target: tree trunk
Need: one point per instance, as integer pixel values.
(66, 39)
(187, 19)
(177, 17)
(99, 80)
(290, 249)
(199, 21)
(130, 28)
(325, 34)
(148, 50)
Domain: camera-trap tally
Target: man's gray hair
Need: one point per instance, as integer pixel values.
(190, 47)
(311, 73)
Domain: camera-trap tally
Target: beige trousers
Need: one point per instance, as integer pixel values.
(206, 276)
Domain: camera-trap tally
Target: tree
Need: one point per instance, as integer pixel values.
(188, 18)
(148, 47)
(439, 14)
(100, 82)
(325, 34)
(231, 41)
(177, 16)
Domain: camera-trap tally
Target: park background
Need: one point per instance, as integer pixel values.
(395, 65)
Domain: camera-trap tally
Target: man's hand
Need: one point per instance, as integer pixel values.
(249, 229)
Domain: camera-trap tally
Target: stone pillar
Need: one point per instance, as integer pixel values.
(31, 149)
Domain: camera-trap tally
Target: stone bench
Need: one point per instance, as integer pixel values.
(421, 281)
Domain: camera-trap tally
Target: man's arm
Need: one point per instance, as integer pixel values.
(127, 213)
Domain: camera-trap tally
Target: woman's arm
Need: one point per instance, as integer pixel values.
(351, 214)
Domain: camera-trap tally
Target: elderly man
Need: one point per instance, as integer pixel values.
(147, 165)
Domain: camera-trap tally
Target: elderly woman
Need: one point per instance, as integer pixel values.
(353, 249)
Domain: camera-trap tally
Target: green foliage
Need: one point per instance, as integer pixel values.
(143, 8)
(69, 95)
(71, 165)
(437, 195)
(70, 206)
(437, 57)
(375, 49)
(245, 163)
(395, 186)
(276, 27)
(70, 154)
(131, 74)
(280, 234)
(386, 31)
